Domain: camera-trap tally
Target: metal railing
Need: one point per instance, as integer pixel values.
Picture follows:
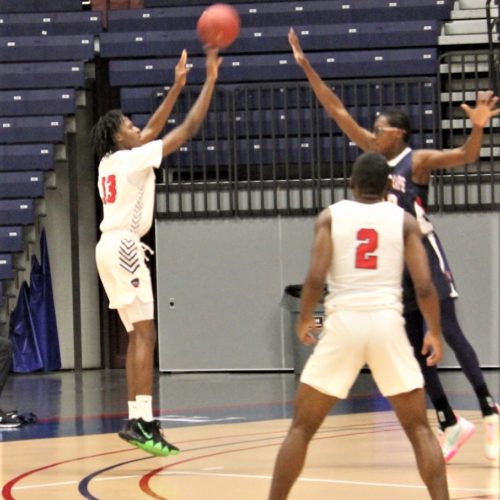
(270, 149)
(475, 186)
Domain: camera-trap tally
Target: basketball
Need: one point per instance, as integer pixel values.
(219, 25)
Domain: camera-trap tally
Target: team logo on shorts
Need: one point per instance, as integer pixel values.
(135, 282)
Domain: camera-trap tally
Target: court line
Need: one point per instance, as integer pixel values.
(254, 476)
(144, 483)
(322, 480)
(10, 485)
(83, 486)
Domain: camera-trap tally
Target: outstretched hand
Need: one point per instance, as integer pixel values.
(298, 53)
(484, 110)
(181, 70)
(213, 62)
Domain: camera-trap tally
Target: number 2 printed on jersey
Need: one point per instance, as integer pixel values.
(108, 185)
(365, 257)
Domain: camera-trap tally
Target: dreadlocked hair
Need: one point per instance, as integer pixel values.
(103, 132)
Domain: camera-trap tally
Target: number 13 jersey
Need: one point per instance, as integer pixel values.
(127, 188)
(368, 256)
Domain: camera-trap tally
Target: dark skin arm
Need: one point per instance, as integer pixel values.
(159, 118)
(188, 128)
(321, 258)
(427, 298)
(424, 161)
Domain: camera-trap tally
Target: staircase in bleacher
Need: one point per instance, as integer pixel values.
(46, 50)
(470, 46)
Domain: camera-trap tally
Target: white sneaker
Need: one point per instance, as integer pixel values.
(492, 439)
(455, 436)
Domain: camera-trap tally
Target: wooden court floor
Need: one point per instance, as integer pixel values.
(354, 456)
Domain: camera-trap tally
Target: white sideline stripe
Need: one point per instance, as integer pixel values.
(255, 476)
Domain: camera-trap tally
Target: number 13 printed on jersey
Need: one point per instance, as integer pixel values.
(108, 185)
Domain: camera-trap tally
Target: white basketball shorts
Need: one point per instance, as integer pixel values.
(123, 271)
(351, 339)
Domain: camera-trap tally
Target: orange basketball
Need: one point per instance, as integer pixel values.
(219, 25)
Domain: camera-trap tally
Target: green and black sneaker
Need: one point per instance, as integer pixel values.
(148, 437)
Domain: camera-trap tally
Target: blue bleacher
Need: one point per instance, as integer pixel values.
(6, 269)
(11, 239)
(40, 5)
(31, 129)
(283, 14)
(26, 157)
(43, 48)
(51, 23)
(42, 75)
(21, 184)
(274, 39)
(17, 212)
(136, 100)
(37, 102)
(275, 67)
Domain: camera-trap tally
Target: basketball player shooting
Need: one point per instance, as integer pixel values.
(126, 186)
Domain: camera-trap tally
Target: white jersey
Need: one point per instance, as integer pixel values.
(368, 259)
(127, 188)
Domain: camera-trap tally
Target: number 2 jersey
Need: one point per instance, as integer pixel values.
(368, 256)
(127, 188)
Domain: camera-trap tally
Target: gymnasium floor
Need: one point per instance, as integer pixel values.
(229, 427)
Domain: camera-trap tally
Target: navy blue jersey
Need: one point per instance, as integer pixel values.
(413, 198)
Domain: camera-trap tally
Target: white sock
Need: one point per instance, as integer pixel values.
(145, 406)
(133, 410)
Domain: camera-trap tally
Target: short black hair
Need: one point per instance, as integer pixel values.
(369, 174)
(103, 132)
(399, 119)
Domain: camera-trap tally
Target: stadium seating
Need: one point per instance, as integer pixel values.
(11, 239)
(15, 130)
(38, 75)
(275, 67)
(50, 23)
(16, 212)
(37, 102)
(26, 157)
(43, 48)
(21, 184)
(271, 39)
(283, 14)
(40, 5)
(6, 270)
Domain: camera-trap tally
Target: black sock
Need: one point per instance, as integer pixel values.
(445, 415)
(486, 401)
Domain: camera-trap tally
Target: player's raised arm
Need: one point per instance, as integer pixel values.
(427, 298)
(329, 100)
(188, 128)
(480, 115)
(159, 118)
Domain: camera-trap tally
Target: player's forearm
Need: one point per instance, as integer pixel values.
(310, 297)
(159, 118)
(472, 146)
(325, 95)
(428, 303)
(197, 114)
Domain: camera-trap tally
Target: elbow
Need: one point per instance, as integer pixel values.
(424, 290)
(190, 127)
(469, 156)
